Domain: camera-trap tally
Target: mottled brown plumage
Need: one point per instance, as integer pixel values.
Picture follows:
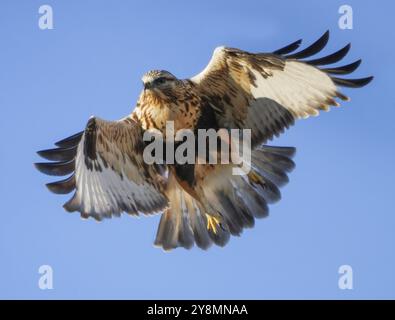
(201, 203)
(177, 101)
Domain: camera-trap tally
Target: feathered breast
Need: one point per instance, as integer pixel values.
(179, 104)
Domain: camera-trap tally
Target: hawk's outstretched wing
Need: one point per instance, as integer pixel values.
(107, 171)
(266, 92)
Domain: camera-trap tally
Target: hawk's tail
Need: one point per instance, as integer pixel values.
(236, 201)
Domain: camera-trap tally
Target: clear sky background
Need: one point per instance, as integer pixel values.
(337, 209)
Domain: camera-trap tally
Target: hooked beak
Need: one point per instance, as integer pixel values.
(147, 85)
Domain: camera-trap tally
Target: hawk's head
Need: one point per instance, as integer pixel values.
(158, 79)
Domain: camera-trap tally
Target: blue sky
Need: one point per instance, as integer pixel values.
(337, 209)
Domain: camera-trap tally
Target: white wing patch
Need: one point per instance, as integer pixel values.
(267, 92)
(102, 193)
(300, 88)
(108, 173)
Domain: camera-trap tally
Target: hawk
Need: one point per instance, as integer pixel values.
(201, 204)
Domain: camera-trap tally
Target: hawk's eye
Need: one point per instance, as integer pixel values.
(160, 80)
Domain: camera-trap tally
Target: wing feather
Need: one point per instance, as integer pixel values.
(289, 48)
(312, 49)
(108, 173)
(267, 92)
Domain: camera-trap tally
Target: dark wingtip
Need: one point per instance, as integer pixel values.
(38, 166)
(349, 68)
(369, 79)
(314, 48)
(63, 186)
(55, 168)
(292, 152)
(289, 48)
(353, 83)
(58, 154)
(70, 141)
(332, 58)
(324, 38)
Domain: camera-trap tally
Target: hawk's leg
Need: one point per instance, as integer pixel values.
(255, 179)
(212, 223)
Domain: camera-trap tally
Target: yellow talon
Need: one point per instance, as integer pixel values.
(254, 178)
(212, 223)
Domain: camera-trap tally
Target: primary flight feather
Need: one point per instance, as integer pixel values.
(200, 203)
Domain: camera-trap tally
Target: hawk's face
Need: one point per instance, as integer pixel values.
(158, 80)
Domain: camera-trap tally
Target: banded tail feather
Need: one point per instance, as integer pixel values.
(237, 201)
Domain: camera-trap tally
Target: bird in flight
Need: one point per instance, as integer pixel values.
(201, 204)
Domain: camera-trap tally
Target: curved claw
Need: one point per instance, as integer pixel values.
(212, 223)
